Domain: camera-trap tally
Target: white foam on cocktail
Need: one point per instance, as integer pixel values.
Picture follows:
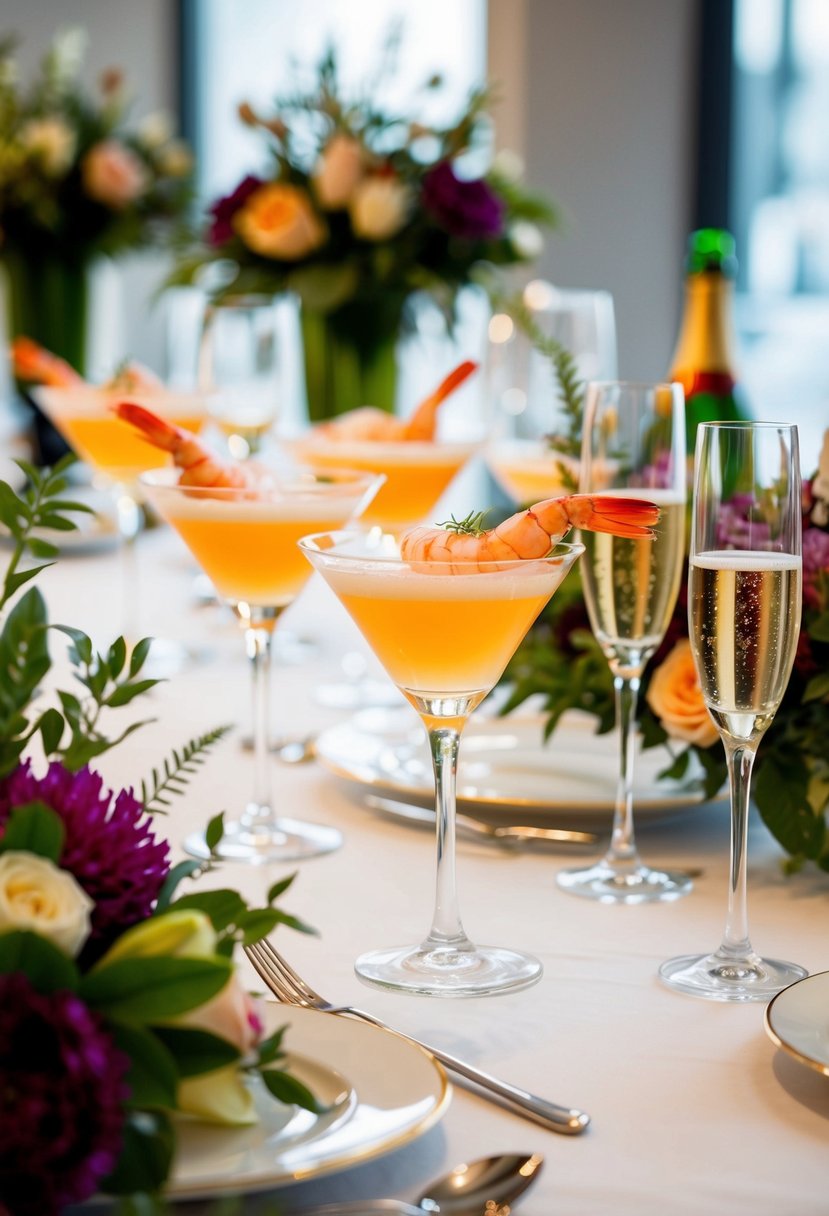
(403, 453)
(525, 580)
(90, 401)
(309, 508)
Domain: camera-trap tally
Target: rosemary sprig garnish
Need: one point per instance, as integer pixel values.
(472, 525)
(177, 771)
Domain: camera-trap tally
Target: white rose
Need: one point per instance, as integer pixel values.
(526, 239)
(51, 142)
(379, 208)
(175, 159)
(155, 130)
(338, 172)
(37, 895)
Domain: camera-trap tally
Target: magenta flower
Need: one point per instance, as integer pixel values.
(815, 551)
(109, 846)
(471, 210)
(224, 209)
(62, 1096)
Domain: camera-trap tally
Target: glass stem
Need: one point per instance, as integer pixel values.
(740, 759)
(447, 929)
(623, 843)
(258, 646)
(129, 525)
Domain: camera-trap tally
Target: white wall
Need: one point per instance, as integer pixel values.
(598, 99)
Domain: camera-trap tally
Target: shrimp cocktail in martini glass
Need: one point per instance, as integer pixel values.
(242, 523)
(417, 465)
(444, 611)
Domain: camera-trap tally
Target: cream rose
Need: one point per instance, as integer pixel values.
(278, 221)
(37, 895)
(51, 142)
(338, 171)
(220, 1096)
(675, 697)
(379, 208)
(113, 175)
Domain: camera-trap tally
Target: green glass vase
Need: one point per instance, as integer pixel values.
(47, 299)
(350, 356)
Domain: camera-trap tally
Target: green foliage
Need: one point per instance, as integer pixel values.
(471, 525)
(148, 990)
(236, 922)
(34, 828)
(176, 771)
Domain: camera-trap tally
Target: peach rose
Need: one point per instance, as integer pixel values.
(675, 697)
(338, 171)
(278, 221)
(113, 175)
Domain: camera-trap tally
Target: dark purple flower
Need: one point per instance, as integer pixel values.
(62, 1095)
(109, 846)
(736, 529)
(471, 210)
(224, 209)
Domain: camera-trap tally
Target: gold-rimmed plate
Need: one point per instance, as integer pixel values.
(797, 1020)
(505, 766)
(382, 1090)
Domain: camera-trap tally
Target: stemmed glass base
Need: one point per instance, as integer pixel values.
(615, 884)
(450, 970)
(725, 977)
(278, 840)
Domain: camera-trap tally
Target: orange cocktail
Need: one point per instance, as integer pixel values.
(417, 473)
(244, 536)
(444, 630)
(83, 414)
(529, 470)
(445, 633)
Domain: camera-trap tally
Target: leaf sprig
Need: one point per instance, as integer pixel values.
(471, 525)
(176, 771)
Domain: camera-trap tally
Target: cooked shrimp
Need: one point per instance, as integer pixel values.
(531, 533)
(378, 426)
(37, 365)
(199, 467)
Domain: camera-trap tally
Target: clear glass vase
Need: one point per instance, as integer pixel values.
(350, 356)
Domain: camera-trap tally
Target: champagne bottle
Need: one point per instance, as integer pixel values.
(704, 362)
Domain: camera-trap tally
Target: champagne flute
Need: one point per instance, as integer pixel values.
(239, 369)
(633, 445)
(445, 631)
(744, 605)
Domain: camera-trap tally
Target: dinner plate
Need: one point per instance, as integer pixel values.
(505, 765)
(382, 1090)
(797, 1020)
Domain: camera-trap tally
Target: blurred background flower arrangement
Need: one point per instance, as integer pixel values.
(120, 1008)
(364, 209)
(76, 182)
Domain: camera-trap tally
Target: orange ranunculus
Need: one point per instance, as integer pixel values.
(675, 697)
(278, 221)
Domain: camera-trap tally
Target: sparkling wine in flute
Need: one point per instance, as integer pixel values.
(745, 620)
(631, 585)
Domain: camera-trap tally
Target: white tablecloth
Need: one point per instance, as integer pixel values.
(693, 1108)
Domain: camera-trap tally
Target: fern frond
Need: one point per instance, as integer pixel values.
(177, 770)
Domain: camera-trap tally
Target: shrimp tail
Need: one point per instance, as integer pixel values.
(35, 364)
(630, 517)
(423, 421)
(199, 467)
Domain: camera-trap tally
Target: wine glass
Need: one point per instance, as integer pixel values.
(239, 369)
(744, 605)
(245, 540)
(524, 394)
(633, 445)
(444, 632)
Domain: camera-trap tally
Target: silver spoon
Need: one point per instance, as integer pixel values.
(482, 1188)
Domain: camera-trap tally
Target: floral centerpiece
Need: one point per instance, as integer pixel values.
(360, 210)
(562, 661)
(120, 1009)
(75, 183)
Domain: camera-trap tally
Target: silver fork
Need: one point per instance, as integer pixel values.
(292, 989)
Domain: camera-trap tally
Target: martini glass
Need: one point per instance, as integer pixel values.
(444, 632)
(245, 540)
(116, 453)
(417, 474)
